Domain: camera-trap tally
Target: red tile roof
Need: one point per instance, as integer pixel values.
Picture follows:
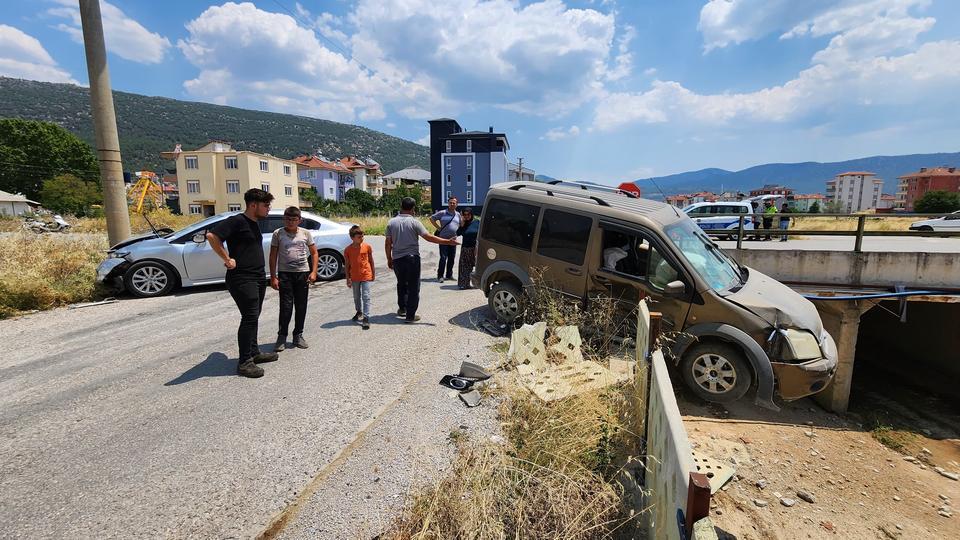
(313, 162)
(353, 163)
(857, 173)
(934, 171)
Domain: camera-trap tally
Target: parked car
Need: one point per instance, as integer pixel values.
(735, 327)
(949, 222)
(154, 264)
(721, 216)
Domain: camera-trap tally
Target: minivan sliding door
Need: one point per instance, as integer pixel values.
(561, 251)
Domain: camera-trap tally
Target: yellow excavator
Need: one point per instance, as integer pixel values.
(146, 193)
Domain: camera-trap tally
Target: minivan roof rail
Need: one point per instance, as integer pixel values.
(595, 187)
(542, 187)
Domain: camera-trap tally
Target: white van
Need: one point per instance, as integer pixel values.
(714, 216)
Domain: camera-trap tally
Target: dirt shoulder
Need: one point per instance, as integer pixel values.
(859, 487)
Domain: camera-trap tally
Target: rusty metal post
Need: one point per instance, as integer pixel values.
(858, 246)
(740, 233)
(698, 500)
(655, 318)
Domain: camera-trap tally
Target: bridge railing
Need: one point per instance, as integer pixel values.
(859, 233)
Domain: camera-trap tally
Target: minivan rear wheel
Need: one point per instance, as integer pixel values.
(504, 300)
(716, 372)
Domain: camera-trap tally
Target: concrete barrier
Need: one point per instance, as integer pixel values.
(846, 268)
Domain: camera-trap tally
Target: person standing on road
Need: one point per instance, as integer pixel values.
(403, 256)
(446, 222)
(784, 220)
(769, 210)
(469, 228)
(245, 277)
(294, 254)
(361, 271)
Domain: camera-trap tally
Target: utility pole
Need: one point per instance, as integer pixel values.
(104, 124)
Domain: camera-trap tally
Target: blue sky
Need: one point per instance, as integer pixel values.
(592, 90)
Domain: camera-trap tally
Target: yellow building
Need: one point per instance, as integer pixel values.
(213, 178)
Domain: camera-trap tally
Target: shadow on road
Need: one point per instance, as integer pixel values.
(472, 318)
(214, 365)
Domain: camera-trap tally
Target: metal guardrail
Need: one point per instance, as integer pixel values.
(858, 233)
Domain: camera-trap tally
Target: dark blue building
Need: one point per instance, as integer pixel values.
(464, 164)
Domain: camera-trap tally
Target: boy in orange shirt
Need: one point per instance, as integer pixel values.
(360, 271)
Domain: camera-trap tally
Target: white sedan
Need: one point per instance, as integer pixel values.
(950, 222)
(154, 264)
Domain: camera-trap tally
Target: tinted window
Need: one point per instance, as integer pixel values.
(698, 210)
(270, 224)
(564, 236)
(310, 224)
(510, 223)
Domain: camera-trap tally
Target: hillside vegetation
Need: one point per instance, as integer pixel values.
(149, 125)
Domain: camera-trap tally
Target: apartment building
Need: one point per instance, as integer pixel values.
(213, 178)
(409, 177)
(330, 178)
(464, 164)
(804, 202)
(366, 174)
(855, 191)
(913, 186)
(772, 189)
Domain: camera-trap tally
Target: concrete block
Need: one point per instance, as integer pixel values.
(527, 347)
(568, 344)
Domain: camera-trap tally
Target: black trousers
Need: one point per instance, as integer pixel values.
(248, 294)
(407, 270)
(447, 255)
(294, 289)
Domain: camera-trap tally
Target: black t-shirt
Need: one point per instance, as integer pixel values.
(244, 244)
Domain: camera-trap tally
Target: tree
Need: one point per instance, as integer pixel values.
(834, 207)
(32, 152)
(936, 202)
(362, 201)
(68, 194)
(814, 208)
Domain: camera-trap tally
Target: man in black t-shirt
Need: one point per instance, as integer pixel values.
(246, 279)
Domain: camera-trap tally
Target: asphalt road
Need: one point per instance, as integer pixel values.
(895, 244)
(127, 420)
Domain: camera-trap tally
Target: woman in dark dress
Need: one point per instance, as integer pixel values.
(469, 228)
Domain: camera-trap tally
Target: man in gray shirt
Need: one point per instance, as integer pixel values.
(403, 256)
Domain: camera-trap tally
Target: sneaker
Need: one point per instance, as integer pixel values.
(365, 323)
(299, 342)
(249, 369)
(413, 320)
(265, 357)
(439, 280)
(401, 313)
(281, 344)
(357, 317)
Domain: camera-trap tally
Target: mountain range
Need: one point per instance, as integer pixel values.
(807, 177)
(149, 125)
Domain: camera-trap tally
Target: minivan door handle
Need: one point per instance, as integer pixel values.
(601, 279)
(574, 271)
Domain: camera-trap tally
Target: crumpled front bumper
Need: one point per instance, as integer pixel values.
(111, 270)
(795, 381)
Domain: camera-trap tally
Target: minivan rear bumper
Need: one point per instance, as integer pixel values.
(795, 381)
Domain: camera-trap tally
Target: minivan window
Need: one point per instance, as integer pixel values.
(510, 223)
(713, 265)
(564, 236)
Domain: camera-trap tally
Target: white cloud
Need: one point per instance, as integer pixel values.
(557, 133)
(623, 61)
(873, 60)
(649, 72)
(124, 36)
(22, 56)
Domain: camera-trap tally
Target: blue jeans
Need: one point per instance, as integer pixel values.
(448, 254)
(361, 297)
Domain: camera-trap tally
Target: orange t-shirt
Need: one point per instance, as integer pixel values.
(359, 260)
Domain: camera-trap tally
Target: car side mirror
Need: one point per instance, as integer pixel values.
(200, 237)
(675, 288)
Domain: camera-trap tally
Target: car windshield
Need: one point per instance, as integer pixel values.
(200, 225)
(716, 268)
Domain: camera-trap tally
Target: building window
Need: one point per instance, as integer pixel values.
(449, 162)
(233, 208)
(265, 187)
(286, 170)
(468, 197)
(191, 162)
(449, 146)
(233, 186)
(469, 162)
(194, 209)
(331, 191)
(469, 180)
(193, 186)
(469, 145)
(311, 174)
(288, 191)
(264, 165)
(449, 180)
(230, 162)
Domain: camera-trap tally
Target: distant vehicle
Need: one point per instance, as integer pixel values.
(154, 264)
(950, 222)
(721, 216)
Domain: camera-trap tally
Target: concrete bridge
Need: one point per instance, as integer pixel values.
(828, 266)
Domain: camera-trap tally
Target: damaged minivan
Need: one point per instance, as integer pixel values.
(733, 327)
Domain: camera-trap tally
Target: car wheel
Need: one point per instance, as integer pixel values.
(504, 300)
(925, 228)
(147, 279)
(329, 266)
(716, 372)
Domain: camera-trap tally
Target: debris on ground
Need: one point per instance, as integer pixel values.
(103, 302)
(463, 382)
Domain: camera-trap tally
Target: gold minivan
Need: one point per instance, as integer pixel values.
(735, 327)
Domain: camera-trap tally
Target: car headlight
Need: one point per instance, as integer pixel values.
(802, 345)
(119, 254)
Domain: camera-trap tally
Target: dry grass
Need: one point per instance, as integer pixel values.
(138, 224)
(46, 271)
(555, 477)
(850, 223)
(375, 225)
